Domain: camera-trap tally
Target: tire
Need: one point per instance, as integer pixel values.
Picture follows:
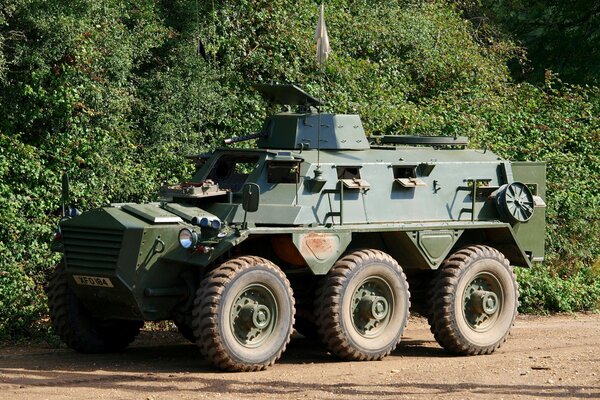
(183, 322)
(420, 283)
(77, 328)
(305, 323)
(244, 314)
(362, 306)
(474, 301)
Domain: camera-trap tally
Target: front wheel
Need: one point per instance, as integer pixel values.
(244, 314)
(474, 301)
(75, 325)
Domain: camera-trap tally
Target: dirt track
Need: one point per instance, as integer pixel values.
(545, 357)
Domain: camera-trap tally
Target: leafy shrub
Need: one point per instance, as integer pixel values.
(116, 95)
(22, 305)
(561, 36)
(543, 292)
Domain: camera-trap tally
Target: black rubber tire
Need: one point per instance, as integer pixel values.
(214, 304)
(183, 323)
(77, 328)
(305, 323)
(448, 322)
(333, 309)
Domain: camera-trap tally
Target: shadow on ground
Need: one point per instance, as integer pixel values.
(178, 366)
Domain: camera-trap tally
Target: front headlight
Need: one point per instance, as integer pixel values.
(207, 223)
(188, 238)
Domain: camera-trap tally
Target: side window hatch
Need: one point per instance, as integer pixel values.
(283, 172)
(410, 182)
(350, 177)
(355, 183)
(406, 176)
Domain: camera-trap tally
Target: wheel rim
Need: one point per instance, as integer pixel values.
(253, 315)
(483, 299)
(372, 307)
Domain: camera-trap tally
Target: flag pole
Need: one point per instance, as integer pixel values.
(323, 50)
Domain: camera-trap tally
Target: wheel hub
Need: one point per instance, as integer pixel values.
(252, 318)
(374, 307)
(261, 316)
(371, 307)
(483, 301)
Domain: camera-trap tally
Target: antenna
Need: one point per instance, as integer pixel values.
(318, 138)
(198, 49)
(318, 181)
(65, 193)
(323, 50)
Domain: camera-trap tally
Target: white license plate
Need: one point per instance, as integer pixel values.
(92, 281)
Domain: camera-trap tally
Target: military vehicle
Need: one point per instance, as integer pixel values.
(317, 228)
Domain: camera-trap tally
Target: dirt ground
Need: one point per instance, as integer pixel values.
(545, 357)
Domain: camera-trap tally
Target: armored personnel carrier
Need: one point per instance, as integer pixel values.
(317, 228)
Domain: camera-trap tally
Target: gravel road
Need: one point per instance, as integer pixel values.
(545, 357)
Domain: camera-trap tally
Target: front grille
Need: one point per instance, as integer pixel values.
(92, 248)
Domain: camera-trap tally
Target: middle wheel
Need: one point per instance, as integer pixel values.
(243, 314)
(362, 306)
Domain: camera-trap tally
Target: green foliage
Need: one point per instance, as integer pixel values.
(21, 302)
(558, 126)
(178, 109)
(116, 94)
(562, 36)
(386, 59)
(542, 292)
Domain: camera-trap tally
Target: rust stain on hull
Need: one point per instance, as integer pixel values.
(321, 246)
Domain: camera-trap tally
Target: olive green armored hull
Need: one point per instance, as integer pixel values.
(316, 212)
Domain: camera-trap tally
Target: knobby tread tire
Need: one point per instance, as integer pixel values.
(328, 304)
(441, 319)
(205, 320)
(77, 328)
(183, 322)
(305, 323)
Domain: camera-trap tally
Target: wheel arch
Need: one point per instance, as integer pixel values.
(502, 238)
(417, 249)
(427, 249)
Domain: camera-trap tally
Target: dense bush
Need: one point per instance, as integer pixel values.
(116, 95)
(562, 36)
(20, 300)
(557, 124)
(543, 292)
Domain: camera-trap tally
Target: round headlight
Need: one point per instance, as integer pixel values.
(187, 238)
(215, 223)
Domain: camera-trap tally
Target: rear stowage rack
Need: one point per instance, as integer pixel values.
(424, 140)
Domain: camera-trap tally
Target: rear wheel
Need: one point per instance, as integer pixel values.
(244, 314)
(474, 301)
(75, 325)
(362, 306)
